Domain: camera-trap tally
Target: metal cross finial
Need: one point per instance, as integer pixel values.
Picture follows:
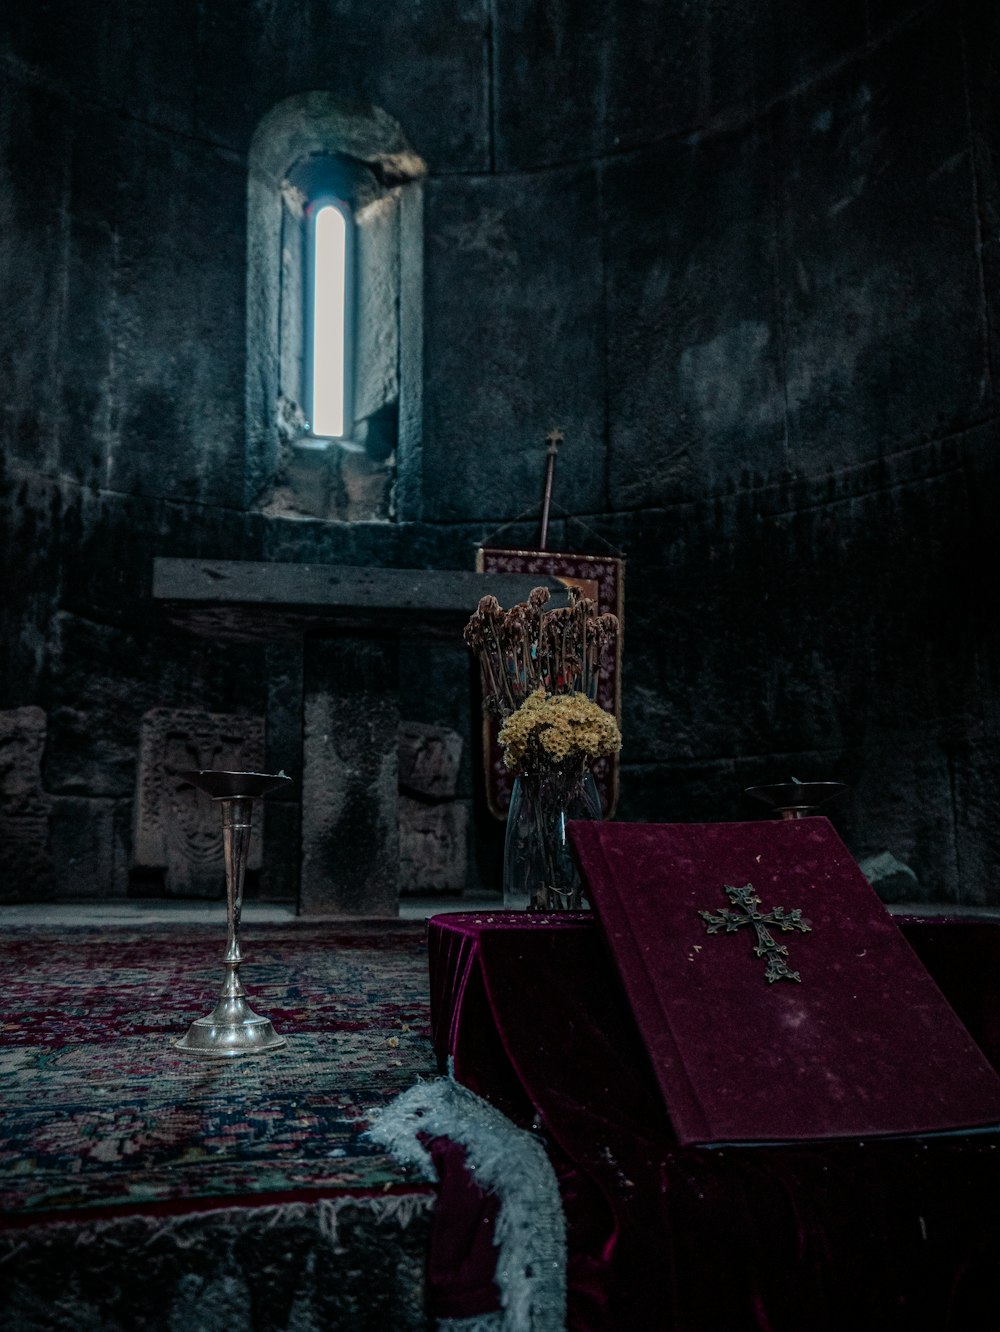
(747, 902)
(554, 438)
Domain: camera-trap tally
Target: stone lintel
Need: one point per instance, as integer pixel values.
(260, 599)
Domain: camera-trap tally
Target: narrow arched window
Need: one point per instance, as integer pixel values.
(328, 334)
(334, 314)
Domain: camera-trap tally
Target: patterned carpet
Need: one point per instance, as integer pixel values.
(100, 1115)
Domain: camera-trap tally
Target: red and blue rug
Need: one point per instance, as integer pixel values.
(100, 1115)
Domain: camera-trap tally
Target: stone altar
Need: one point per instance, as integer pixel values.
(346, 622)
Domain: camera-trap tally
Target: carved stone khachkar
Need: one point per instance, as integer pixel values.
(349, 621)
(25, 864)
(433, 826)
(177, 829)
(428, 760)
(433, 843)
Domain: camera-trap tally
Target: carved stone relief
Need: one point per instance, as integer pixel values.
(432, 846)
(177, 829)
(433, 825)
(25, 863)
(428, 760)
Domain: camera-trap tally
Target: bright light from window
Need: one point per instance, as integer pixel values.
(329, 320)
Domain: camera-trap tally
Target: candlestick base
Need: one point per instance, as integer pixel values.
(232, 1028)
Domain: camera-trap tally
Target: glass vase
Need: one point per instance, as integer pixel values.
(539, 873)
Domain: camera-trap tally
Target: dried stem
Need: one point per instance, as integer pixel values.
(560, 650)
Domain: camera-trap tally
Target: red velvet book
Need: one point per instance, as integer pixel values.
(776, 997)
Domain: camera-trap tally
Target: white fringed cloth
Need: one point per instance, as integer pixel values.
(509, 1165)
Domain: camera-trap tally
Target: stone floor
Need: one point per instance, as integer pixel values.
(155, 911)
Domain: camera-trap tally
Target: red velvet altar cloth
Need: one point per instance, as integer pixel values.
(863, 1044)
(901, 1234)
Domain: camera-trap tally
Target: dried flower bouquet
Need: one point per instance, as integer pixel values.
(540, 671)
(556, 728)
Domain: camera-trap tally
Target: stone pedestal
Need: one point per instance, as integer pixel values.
(350, 821)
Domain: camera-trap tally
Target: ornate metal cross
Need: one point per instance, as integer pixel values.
(747, 902)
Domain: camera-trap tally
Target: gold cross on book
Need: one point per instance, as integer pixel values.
(767, 947)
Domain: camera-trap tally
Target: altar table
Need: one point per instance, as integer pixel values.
(334, 719)
(895, 1234)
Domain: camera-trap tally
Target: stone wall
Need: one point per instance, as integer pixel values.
(744, 255)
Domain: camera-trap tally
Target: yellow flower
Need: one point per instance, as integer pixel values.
(557, 727)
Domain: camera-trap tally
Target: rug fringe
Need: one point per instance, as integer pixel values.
(491, 1322)
(400, 1208)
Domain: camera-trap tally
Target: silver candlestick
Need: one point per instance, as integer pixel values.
(233, 1028)
(796, 800)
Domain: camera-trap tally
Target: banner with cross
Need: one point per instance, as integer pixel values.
(599, 577)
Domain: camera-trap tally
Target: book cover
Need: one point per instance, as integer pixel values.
(776, 997)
